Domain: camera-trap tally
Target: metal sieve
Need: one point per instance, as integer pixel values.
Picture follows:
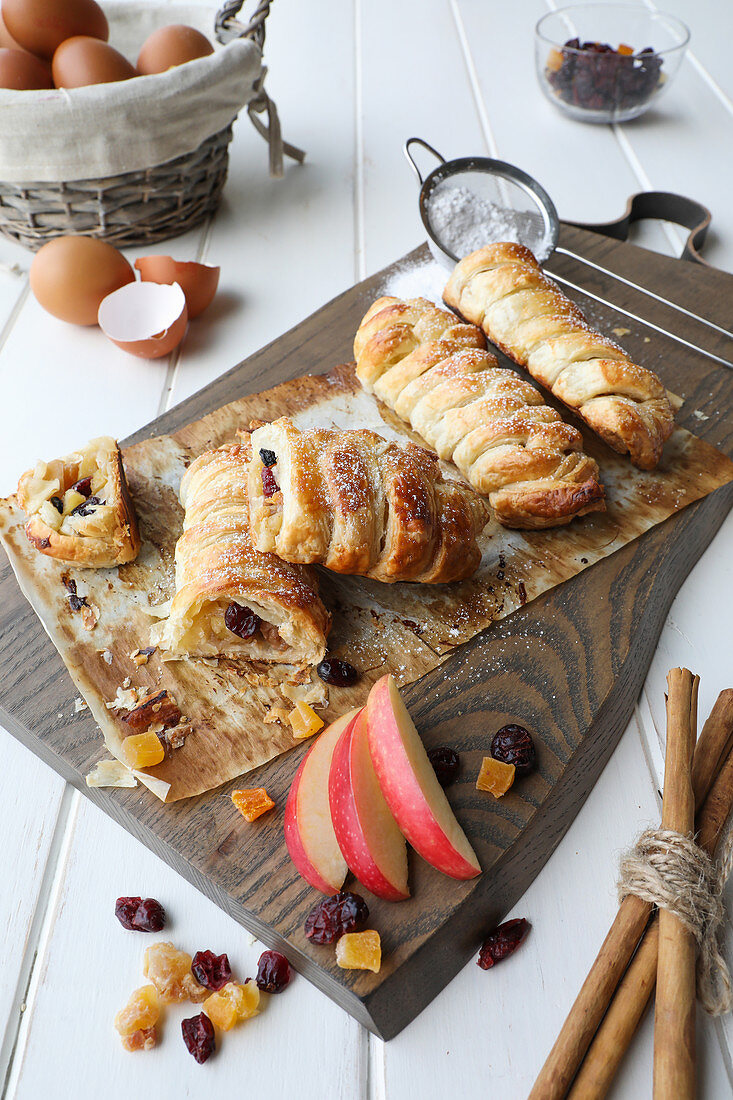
(516, 206)
(500, 202)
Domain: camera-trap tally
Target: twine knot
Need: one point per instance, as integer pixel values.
(671, 871)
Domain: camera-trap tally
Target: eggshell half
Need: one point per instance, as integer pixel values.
(145, 319)
(198, 281)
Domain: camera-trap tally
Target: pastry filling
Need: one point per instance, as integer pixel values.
(246, 624)
(73, 495)
(269, 473)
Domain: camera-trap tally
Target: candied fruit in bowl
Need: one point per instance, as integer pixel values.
(495, 776)
(359, 951)
(143, 750)
(252, 803)
(233, 1003)
(170, 972)
(141, 1012)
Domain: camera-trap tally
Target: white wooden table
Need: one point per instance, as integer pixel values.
(352, 81)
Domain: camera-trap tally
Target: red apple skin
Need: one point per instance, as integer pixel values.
(411, 788)
(315, 855)
(368, 836)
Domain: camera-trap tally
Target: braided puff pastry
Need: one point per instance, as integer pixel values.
(503, 289)
(358, 504)
(492, 424)
(79, 507)
(229, 598)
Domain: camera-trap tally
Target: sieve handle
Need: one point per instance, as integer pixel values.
(419, 141)
(666, 206)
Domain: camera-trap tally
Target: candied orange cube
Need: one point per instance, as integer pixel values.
(304, 721)
(495, 776)
(554, 60)
(170, 972)
(144, 1039)
(143, 750)
(252, 803)
(359, 951)
(625, 51)
(232, 1003)
(140, 1013)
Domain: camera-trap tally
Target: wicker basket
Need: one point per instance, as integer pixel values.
(152, 204)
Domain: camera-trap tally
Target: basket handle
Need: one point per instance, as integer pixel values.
(227, 26)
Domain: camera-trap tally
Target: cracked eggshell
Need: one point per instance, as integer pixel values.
(145, 319)
(199, 281)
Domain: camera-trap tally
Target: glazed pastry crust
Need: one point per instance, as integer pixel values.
(356, 503)
(491, 423)
(108, 534)
(216, 565)
(503, 289)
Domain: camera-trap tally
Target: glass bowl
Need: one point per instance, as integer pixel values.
(630, 58)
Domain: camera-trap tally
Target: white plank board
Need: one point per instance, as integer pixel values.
(90, 965)
(284, 246)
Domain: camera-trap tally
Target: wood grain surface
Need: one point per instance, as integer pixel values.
(569, 666)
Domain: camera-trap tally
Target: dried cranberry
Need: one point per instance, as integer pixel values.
(344, 912)
(514, 745)
(211, 970)
(273, 972)
(446, 763)
(75, 602)
(58, 504)
(86, 507)
(140, 914)
(269, 484)
(198, 1035)
(503, 941)
(84, 486)
(241, 621)
(333, 670)
(269, 458)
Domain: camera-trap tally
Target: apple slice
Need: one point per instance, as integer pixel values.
(410, 786)
(368, 836)
(309, 834)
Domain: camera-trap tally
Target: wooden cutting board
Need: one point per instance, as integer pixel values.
(569, 666)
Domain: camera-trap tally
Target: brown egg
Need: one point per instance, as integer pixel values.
(81, 61)
(197, 281)
(71, 275)
(42, 25)
(171, 46)
(6, 39)
(22, 71)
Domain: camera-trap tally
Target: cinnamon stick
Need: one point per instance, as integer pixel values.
(553, 1082)
(674, 1016)
(627, 1008)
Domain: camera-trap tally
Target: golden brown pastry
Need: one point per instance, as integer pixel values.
(357, 503)
(230, 599)
(503, 289)
(491, 423)
(79, 507)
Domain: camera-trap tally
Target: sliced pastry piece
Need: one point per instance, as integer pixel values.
(230, 599)
(503, 289)
(491, 423)
(357, 503)
(79, 507)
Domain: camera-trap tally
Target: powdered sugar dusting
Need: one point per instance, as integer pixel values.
(416, 279)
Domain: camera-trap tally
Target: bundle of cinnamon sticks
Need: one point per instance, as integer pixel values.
(645, 946)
